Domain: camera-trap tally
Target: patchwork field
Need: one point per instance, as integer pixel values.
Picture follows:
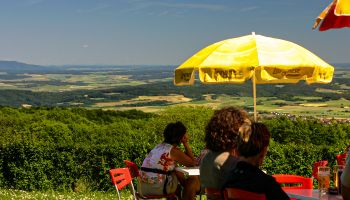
(334, 108)
(174, 99)
(150, 89)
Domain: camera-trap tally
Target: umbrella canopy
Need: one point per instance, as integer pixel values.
(263, 59)
(335, 15)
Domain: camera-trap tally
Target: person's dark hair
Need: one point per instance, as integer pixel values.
(222, 129)
(347, 149)
(253, 139)
(174, 132)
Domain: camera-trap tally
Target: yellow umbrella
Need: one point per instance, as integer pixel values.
(263, 59)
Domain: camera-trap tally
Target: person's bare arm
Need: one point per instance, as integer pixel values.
(188, 150)
(345, 192)
(182, 158)
(185, 158)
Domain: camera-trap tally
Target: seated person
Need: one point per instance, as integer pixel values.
(347, 150)
(157, 172)
(345, 180)
(220, 137)
(252, 147)
(201, 156)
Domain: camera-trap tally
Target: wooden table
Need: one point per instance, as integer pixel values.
(190, 171)
(309, 194)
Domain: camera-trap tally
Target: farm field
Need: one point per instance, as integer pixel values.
(328, 109)
(150, 89)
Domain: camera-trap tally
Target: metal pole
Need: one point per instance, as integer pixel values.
(254, 95)
(254, 89)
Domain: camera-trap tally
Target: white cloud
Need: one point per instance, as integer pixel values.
(93, 9)
(85, 46)
(163, 13)
(137, 5)
(210, 7)
(34, 2)
(248, 9)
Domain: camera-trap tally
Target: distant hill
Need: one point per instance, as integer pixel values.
(341, 65)
(14, 66)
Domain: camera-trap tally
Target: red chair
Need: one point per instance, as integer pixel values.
(212, 193)
(238, 194)
(289, 181)
(121, 177)
(341, 159)
(321, 163)
(134, 169)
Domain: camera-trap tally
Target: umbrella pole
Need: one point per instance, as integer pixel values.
(254, 95)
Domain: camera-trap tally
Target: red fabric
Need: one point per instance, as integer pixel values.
(134, 169)
(304, 182)
(333, 21)
(341, 159)
(321, 163)
(234, 193)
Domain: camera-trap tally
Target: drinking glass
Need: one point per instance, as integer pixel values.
(323, 180)
(337, 171)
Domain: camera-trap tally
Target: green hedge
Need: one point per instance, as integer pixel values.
(73, 149)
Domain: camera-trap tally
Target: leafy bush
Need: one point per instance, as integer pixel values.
(67, 149)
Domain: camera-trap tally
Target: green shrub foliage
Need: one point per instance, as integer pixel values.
(72, 149)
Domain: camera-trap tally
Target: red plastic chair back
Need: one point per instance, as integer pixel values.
(120, 178)
(238, 194)
(134, 169)
(341, 159)
(293, 181)
(321, 163)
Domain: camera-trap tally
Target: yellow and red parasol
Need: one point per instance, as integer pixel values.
(335, 15)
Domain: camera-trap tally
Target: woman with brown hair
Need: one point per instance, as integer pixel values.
(220, 136)
(345, 177)
(252, 146)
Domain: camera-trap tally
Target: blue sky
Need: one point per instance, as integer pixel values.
(159, 32)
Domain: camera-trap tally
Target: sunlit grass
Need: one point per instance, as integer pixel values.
(308, 97)
(334, 108)
(323, 90)
(19, 195)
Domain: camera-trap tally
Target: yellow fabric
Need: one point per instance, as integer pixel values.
(326, 10)
(235, 60)
(322, 15)
(342, 8)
